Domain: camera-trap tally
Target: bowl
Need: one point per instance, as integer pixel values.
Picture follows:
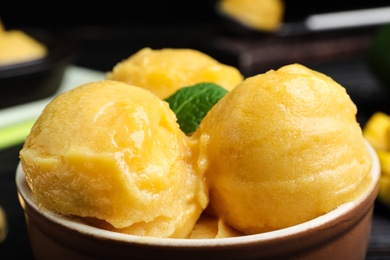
(37, 79)
(343, 233)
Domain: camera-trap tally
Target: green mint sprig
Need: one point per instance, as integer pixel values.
(192, 103)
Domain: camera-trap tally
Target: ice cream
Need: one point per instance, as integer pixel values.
(17, 46)
(282, 148)
(279, 149)
(262, 15)
(164, 71)
(113, 154)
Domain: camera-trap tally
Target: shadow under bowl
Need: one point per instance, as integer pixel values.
(343, 233)
(37, 79)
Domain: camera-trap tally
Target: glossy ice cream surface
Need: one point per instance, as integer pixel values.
(114, 155)
(286, 148)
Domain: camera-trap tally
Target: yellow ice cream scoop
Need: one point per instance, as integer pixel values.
(164, 71)
(113, 154)
(262, 15)
(17, 46)
(282, 148)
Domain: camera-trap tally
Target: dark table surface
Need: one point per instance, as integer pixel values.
(102, 47)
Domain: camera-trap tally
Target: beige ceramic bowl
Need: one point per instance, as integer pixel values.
(341, 234)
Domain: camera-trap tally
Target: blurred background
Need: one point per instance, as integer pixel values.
(113, 31)
(98, 36)
(106, 34)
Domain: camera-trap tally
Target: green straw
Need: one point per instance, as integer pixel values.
(15, 134)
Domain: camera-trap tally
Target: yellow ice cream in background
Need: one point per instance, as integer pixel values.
(262, 15)
(282, 148)
(113, 153)
(164, 71)
(17, 46)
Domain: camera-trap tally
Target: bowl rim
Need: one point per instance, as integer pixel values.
(25, 197)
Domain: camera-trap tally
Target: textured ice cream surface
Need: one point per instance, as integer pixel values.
(113, 153)
(282, 148)
(164, 71)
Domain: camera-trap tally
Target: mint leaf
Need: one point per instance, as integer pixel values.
(192, 103)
